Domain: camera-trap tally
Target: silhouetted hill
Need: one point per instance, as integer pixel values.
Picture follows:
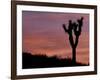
(42, 61)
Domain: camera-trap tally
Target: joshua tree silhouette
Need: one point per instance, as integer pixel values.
(76, 28)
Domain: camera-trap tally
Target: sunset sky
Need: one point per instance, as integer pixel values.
(43, 34)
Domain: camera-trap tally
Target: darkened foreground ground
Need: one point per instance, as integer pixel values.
(42, 61)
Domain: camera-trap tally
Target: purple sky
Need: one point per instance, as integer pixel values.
(43, 34)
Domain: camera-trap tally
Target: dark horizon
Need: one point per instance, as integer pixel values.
(43, 61)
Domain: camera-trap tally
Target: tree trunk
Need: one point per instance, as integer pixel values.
(74, 55)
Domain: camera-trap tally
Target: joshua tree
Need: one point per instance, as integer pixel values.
(75, 27)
